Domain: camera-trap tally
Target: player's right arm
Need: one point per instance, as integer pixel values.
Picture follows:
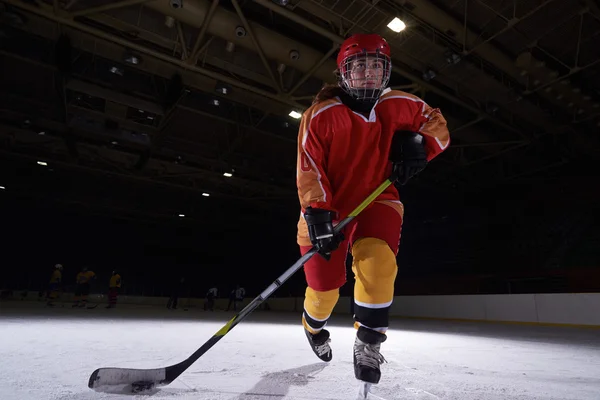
(314, 188)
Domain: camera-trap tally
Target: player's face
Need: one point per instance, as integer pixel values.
(367, 73)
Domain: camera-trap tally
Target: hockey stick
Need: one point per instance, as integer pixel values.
(117, 380)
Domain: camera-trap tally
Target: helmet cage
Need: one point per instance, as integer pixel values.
(354, 86)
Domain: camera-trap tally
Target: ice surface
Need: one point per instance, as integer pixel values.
(50, 353)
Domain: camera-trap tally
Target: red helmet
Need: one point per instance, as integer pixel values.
(362, 43)
(365, 66)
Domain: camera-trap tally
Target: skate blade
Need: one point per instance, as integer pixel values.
(364, 392)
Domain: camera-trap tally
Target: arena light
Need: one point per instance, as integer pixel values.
(181, 215)
(2, 188)
(42, 163)
(205, 194)
(228, 174)
(396, 25)
(295, 114)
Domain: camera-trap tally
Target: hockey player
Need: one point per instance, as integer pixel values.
(211, 295)
(54, 285)
(350, 140)
(114, 286)
(236, 295)
(82, 288)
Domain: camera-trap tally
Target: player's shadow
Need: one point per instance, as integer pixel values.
(277, 384)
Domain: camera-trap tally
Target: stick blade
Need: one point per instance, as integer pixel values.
(126, 380)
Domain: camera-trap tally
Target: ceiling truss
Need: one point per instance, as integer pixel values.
(494, 127)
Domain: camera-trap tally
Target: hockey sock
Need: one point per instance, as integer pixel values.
(317, 308)
(375, 269)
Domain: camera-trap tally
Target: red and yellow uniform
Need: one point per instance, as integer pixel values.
(56, 277)
(82, 290)
(85, 277)
(342, 157)
(54, 284)
(114, 286)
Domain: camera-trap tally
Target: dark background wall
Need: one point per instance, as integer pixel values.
(537, 236)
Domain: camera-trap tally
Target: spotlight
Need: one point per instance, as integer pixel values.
(429, 75)
(223, 88)
(452, 58)
(116, 71)
(396, 25)
(131, 58)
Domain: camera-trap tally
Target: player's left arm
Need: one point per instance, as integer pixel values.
(430, 123)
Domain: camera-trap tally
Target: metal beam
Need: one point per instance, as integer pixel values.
(111, 95)
(468, 124)
(214, 177)
(123, 123)
(485, 144)
(490, 156)
(560, 78)
(148, 106)
(43, 11)
(310, 72)
(224, 23)
(510, 24)
(257, 45)
(196, 50)
(136, 178)
(245, 126)
(84, 136)
(407, 74)
(106, 7)
(184, 50)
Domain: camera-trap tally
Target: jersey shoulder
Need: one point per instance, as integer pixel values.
(399, 95)
(322, 108)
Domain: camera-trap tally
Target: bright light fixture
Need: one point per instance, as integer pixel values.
(42, 163)
(396, 25)
(205, 194)
(182, 215)
(228, 174)
(295, 114)
(2, 188)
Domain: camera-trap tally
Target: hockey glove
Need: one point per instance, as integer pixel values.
(320, 231)
(408, 155)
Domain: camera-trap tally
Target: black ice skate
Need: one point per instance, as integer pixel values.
(367, 357)
(320, 344)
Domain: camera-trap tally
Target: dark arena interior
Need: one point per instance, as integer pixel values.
(159, 139)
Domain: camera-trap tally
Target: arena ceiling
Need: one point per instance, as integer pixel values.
(172, 94)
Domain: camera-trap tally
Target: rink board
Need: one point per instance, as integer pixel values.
(559, 309)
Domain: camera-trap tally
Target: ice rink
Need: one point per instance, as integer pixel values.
(50, 353)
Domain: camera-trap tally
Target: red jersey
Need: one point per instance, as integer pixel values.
(343, 156)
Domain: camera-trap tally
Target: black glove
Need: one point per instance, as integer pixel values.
(408, 155)
(320, 231)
